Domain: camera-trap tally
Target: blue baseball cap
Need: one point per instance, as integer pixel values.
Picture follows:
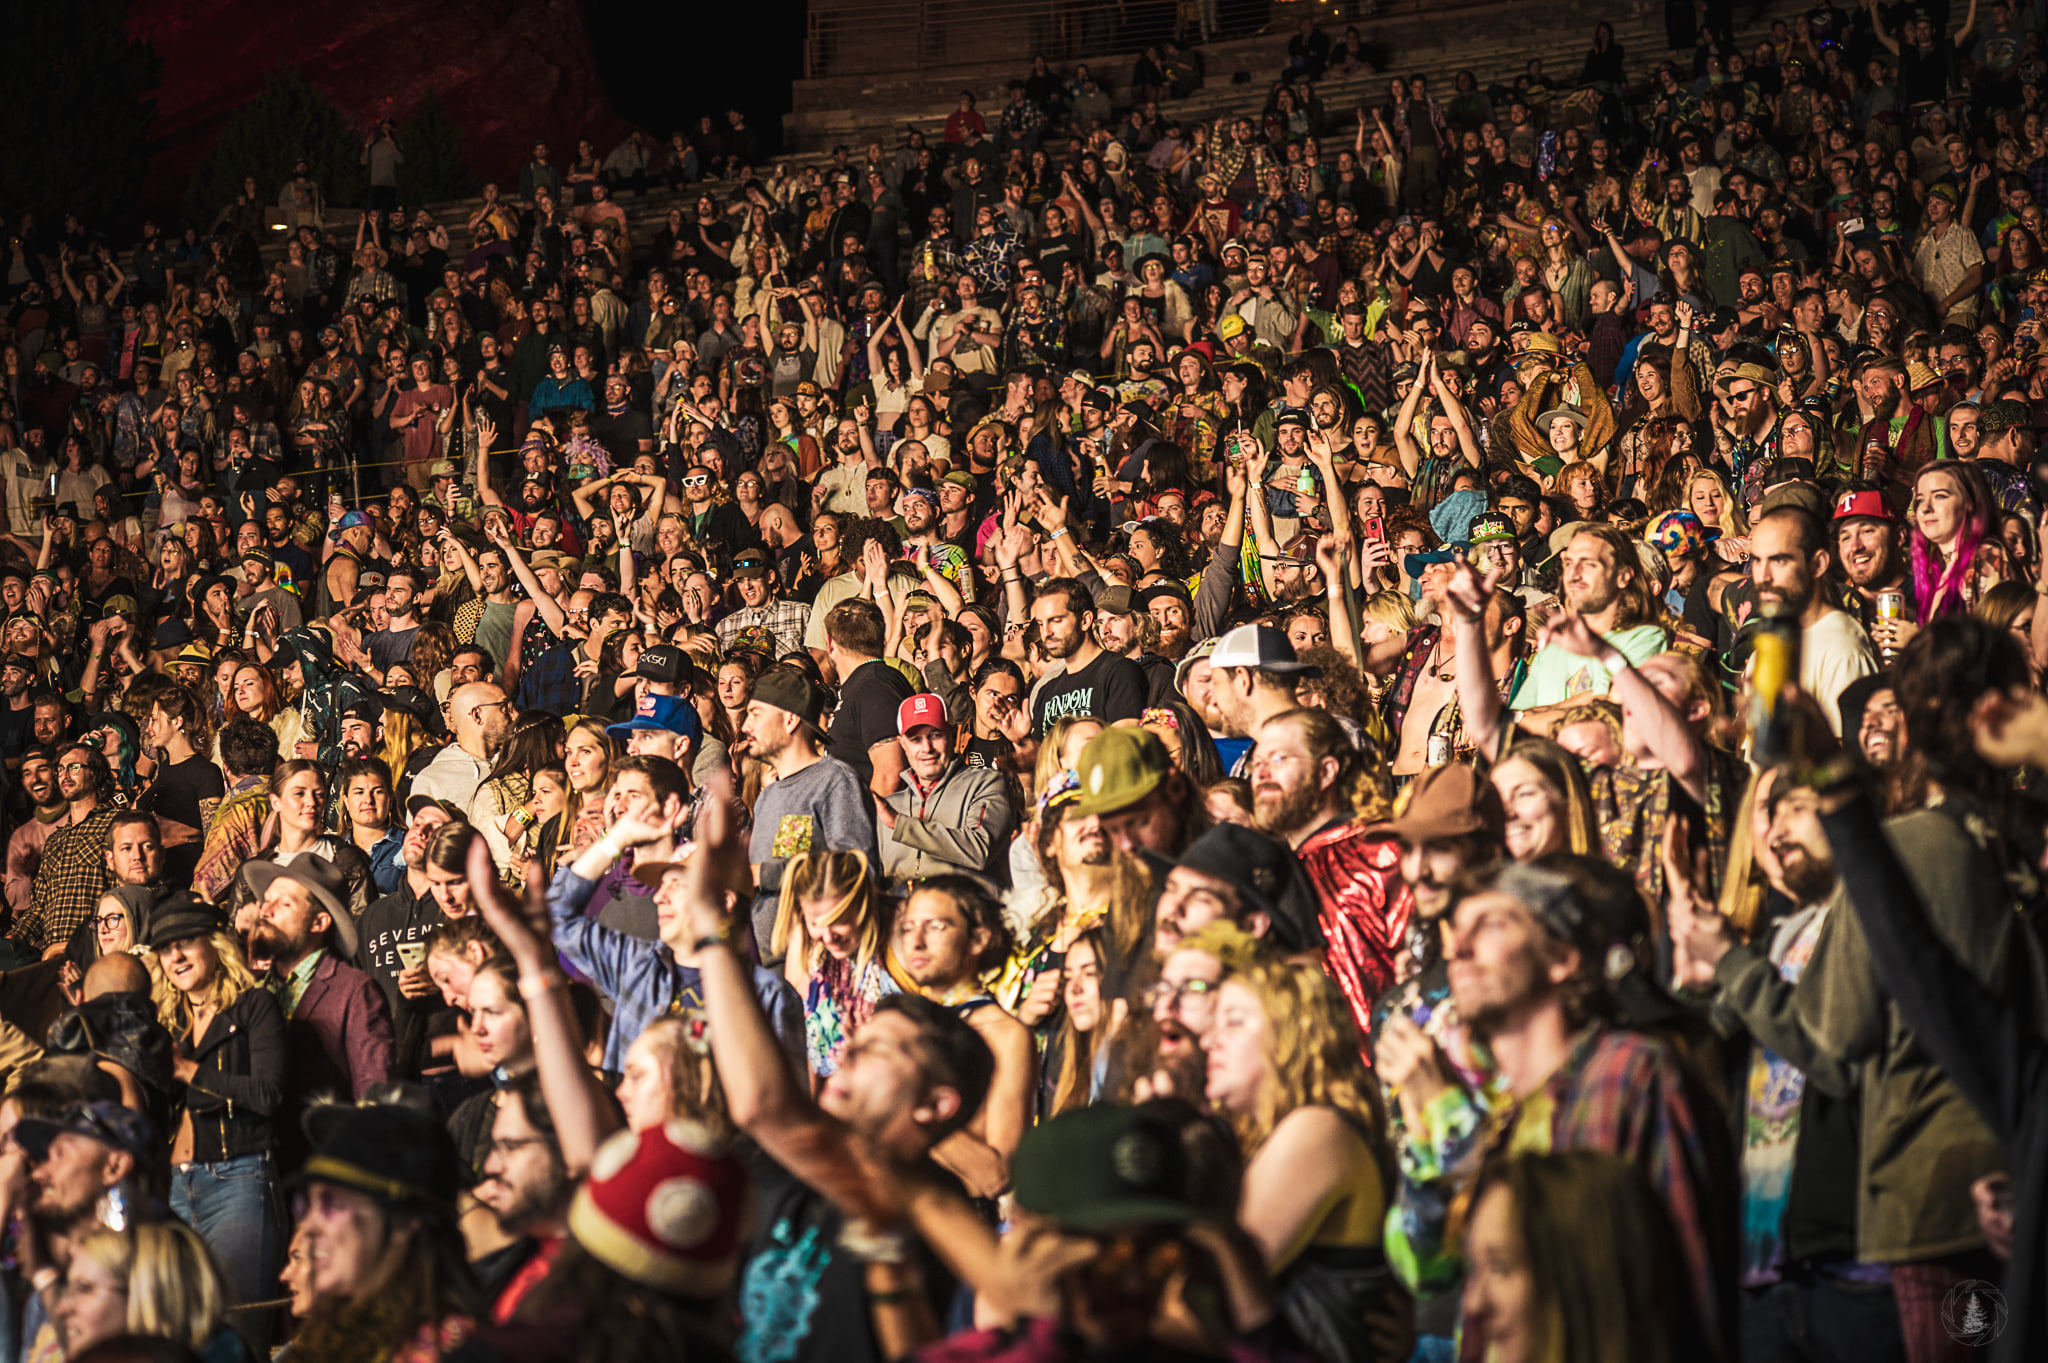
(350, 520)
(672, 714)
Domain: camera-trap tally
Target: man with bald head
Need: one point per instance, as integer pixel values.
(480, 717)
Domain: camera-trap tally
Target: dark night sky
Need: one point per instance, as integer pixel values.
(665, 64)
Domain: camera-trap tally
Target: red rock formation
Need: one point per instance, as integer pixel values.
(509, 71)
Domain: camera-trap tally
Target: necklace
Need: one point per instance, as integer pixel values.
(1442, 666)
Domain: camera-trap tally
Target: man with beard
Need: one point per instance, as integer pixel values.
(1868, 548)
(1092, 682)
(1120, 631)
(48, 810)
(1170, 607)
(1306, 781)
(1527, 956)
(1787, 562)
(73, 874)
(1801, 1115)
(1254, 672)
(392, 938)
(958, 521)
(75, 1157)
(362, 729)
(1603, 581)
(17, 717)
(1873, 724)
(527, 1187)
(393, 643)
(1895, 437)
(481, 719)
(925, 542)
(337, 1025)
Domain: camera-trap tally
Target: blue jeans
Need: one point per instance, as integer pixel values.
(235, 1208)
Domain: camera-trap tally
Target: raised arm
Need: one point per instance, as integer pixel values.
(582, 1112)
(1461, 424)
(544, 605)
(1486, 717)
(1405, 448)
(1670, 739)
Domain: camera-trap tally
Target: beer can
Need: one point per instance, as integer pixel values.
(1439, 751)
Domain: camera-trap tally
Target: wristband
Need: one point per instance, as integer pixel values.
(1055, 534)
(609, 845)
(533, 987)
(721, 938)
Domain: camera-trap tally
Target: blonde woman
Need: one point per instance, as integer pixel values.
(156, 1279)
(1709, 497)
(230, 1046)
(830, 936)
(1284, 1068)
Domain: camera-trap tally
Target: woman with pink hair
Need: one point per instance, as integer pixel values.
(1952, 515)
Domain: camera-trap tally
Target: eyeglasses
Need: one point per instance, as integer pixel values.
(476, 711)
(73, 766)
(697, 480)
(109, 920)
(1166, 991)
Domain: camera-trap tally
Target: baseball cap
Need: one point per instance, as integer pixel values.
(665, 663)
(441, 468)
(1259, 646)
(1230, 325)
(961, 478)
(549, 558)
(1115, 599)
(1118, 768)
(785, 688)
(350, 520)
(668, 714)
(1450, 801)
(1867, 503)
(1204, 650)
(1103, 1167)
(1267, 877)
(111, 1124)
(1489, 527)
(749, 563)
(923, 710)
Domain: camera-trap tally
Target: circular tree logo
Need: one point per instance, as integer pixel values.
(1973, 1312)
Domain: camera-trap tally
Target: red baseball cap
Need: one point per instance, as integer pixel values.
(921, 710)
(1868, 502)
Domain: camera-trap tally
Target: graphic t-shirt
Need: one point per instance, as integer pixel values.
(1109, 689)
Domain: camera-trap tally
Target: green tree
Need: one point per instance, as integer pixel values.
(433, 170)
(267, 136)
(77, 109)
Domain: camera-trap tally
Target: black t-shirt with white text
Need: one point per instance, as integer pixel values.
(1109, 689)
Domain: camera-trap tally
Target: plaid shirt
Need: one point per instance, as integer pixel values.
(784, 620)
(1632, 1095)
(68, 884)
(549, 681)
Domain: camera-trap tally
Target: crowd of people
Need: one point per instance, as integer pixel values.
(1408, 735)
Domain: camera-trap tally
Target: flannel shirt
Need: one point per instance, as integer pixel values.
(69, 883)
(1634, 1096)
(784, 620)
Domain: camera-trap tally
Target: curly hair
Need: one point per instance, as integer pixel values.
(1312, 1054)
(1340, 687)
